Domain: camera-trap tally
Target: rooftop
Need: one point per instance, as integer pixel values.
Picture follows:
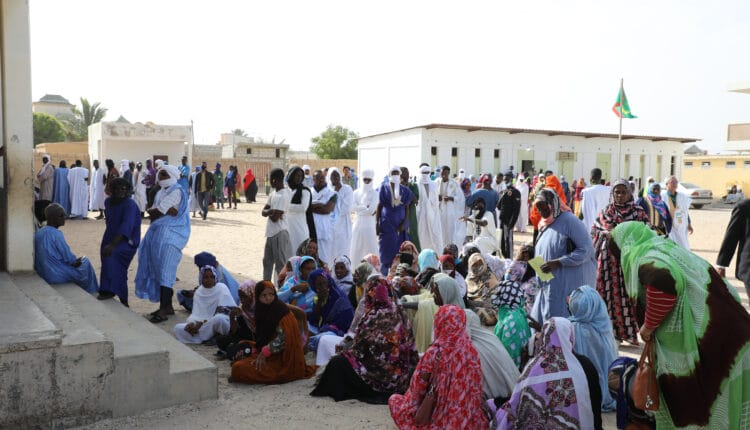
(587, 135)
(54, 98)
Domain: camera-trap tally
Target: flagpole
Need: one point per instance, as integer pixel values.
(619, 136)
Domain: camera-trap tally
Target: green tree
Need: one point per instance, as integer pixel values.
(78, 127)
(47, 128)
(336, 142)
(239, 132)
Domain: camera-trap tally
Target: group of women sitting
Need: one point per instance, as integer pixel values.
(427, 329)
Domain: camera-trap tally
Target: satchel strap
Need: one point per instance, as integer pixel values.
(648, 353)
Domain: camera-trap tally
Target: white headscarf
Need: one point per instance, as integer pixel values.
(159, 163)
(396, 188)
(124, 165)
(461, 174)
(174, 174)
(328, 177)
(425, 177)
(367, 174)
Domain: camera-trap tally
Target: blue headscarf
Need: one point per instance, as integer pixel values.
(337, 313)
(428, 259)
(303, 301)
(593, 336)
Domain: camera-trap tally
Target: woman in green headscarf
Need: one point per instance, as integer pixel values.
(700, 328)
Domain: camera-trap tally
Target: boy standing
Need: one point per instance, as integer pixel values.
(278, 245)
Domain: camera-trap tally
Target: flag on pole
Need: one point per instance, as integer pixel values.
(621, 107)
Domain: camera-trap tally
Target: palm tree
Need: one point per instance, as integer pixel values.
(78, 127)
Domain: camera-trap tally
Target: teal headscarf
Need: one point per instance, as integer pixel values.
(428, 259)
(593, 336)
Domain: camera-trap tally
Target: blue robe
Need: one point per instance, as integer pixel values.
(123, 219)
(184, 176)
(61, 189)
(53, 261)
(160, 251)
(578, 266)
(390, 218)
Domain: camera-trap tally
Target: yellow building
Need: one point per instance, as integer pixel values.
(717, 172)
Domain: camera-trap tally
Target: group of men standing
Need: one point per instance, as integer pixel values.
(67, 187)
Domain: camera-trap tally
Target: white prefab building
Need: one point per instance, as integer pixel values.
(495, 149)
(138, 142)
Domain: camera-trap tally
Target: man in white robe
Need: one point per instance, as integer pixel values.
(678, 204)
(428, 213)
(342, 224)
(364, 205)
(79, 191)
(98, 181)
(523, 214)
(323, 205)
(594, 199)
(451, 202)
(139, 193)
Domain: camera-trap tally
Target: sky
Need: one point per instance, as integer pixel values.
(287, 69)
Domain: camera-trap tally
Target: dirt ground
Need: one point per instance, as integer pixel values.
(236, 237)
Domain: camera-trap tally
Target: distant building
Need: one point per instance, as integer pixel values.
(248, 149)
(495, 149)
(138, 142)
(55, 105)
(738, 135)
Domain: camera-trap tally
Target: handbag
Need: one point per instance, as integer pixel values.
(424, 411)
(645, 391)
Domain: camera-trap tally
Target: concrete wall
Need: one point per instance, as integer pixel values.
(137, 141)
(17, 139)
(380, 153)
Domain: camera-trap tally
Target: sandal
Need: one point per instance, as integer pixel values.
(157, 318)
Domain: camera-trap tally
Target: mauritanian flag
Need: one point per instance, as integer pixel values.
(621, 107)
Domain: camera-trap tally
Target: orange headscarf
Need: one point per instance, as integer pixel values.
(552, 182)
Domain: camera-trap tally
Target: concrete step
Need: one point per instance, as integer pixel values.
(152, 368)
(23, 326)
(48, 378)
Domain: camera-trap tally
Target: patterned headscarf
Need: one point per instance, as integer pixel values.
(373, 260)
(384, 352)
(552, 387)
(247, 305)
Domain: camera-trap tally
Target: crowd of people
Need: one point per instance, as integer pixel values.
(412, 293)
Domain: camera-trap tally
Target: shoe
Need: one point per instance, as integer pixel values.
(105, 295)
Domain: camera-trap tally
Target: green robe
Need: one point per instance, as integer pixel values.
(413, 231)
(702, 347)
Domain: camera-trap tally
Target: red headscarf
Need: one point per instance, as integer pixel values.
(249, 178)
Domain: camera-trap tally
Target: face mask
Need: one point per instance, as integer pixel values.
(426, 176)
(395, 179)
(165, 183)
(448, 272)
(476, 270)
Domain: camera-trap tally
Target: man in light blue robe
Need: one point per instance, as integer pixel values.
(53, 259)
(160, 251)
(61, 187)
(184, 174)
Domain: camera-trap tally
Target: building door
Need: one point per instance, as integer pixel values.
(604, 162)
(3, 212)
(527, 161)
(161, 157)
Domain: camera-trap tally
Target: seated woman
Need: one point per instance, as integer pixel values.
(457, 379)
(404, 281)
(381, 358)
(621, 375)
(277, 355)
(241, 322)
(513, 300)
(407, 253)
(499, 372)
(481, 287)
(594, 337)
(448, 266)
(296, 291)
(310, 248)
(207, 319)
(735, 195)
(332, 313)
(557, 389)
(342, 274)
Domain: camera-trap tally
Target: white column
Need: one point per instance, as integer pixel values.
(17, 135)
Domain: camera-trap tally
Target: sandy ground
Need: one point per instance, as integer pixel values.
(236, 237)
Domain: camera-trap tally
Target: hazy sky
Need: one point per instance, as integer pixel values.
(289, 68)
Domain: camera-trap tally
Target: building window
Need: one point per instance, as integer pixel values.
(249, 151)
(746, 164)
(433, 151)
(730, 165)
(496, 154)
(688, 164)
(278, 153)
(454, 152)
(705, 164)
(477, 152)
(672, 163)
